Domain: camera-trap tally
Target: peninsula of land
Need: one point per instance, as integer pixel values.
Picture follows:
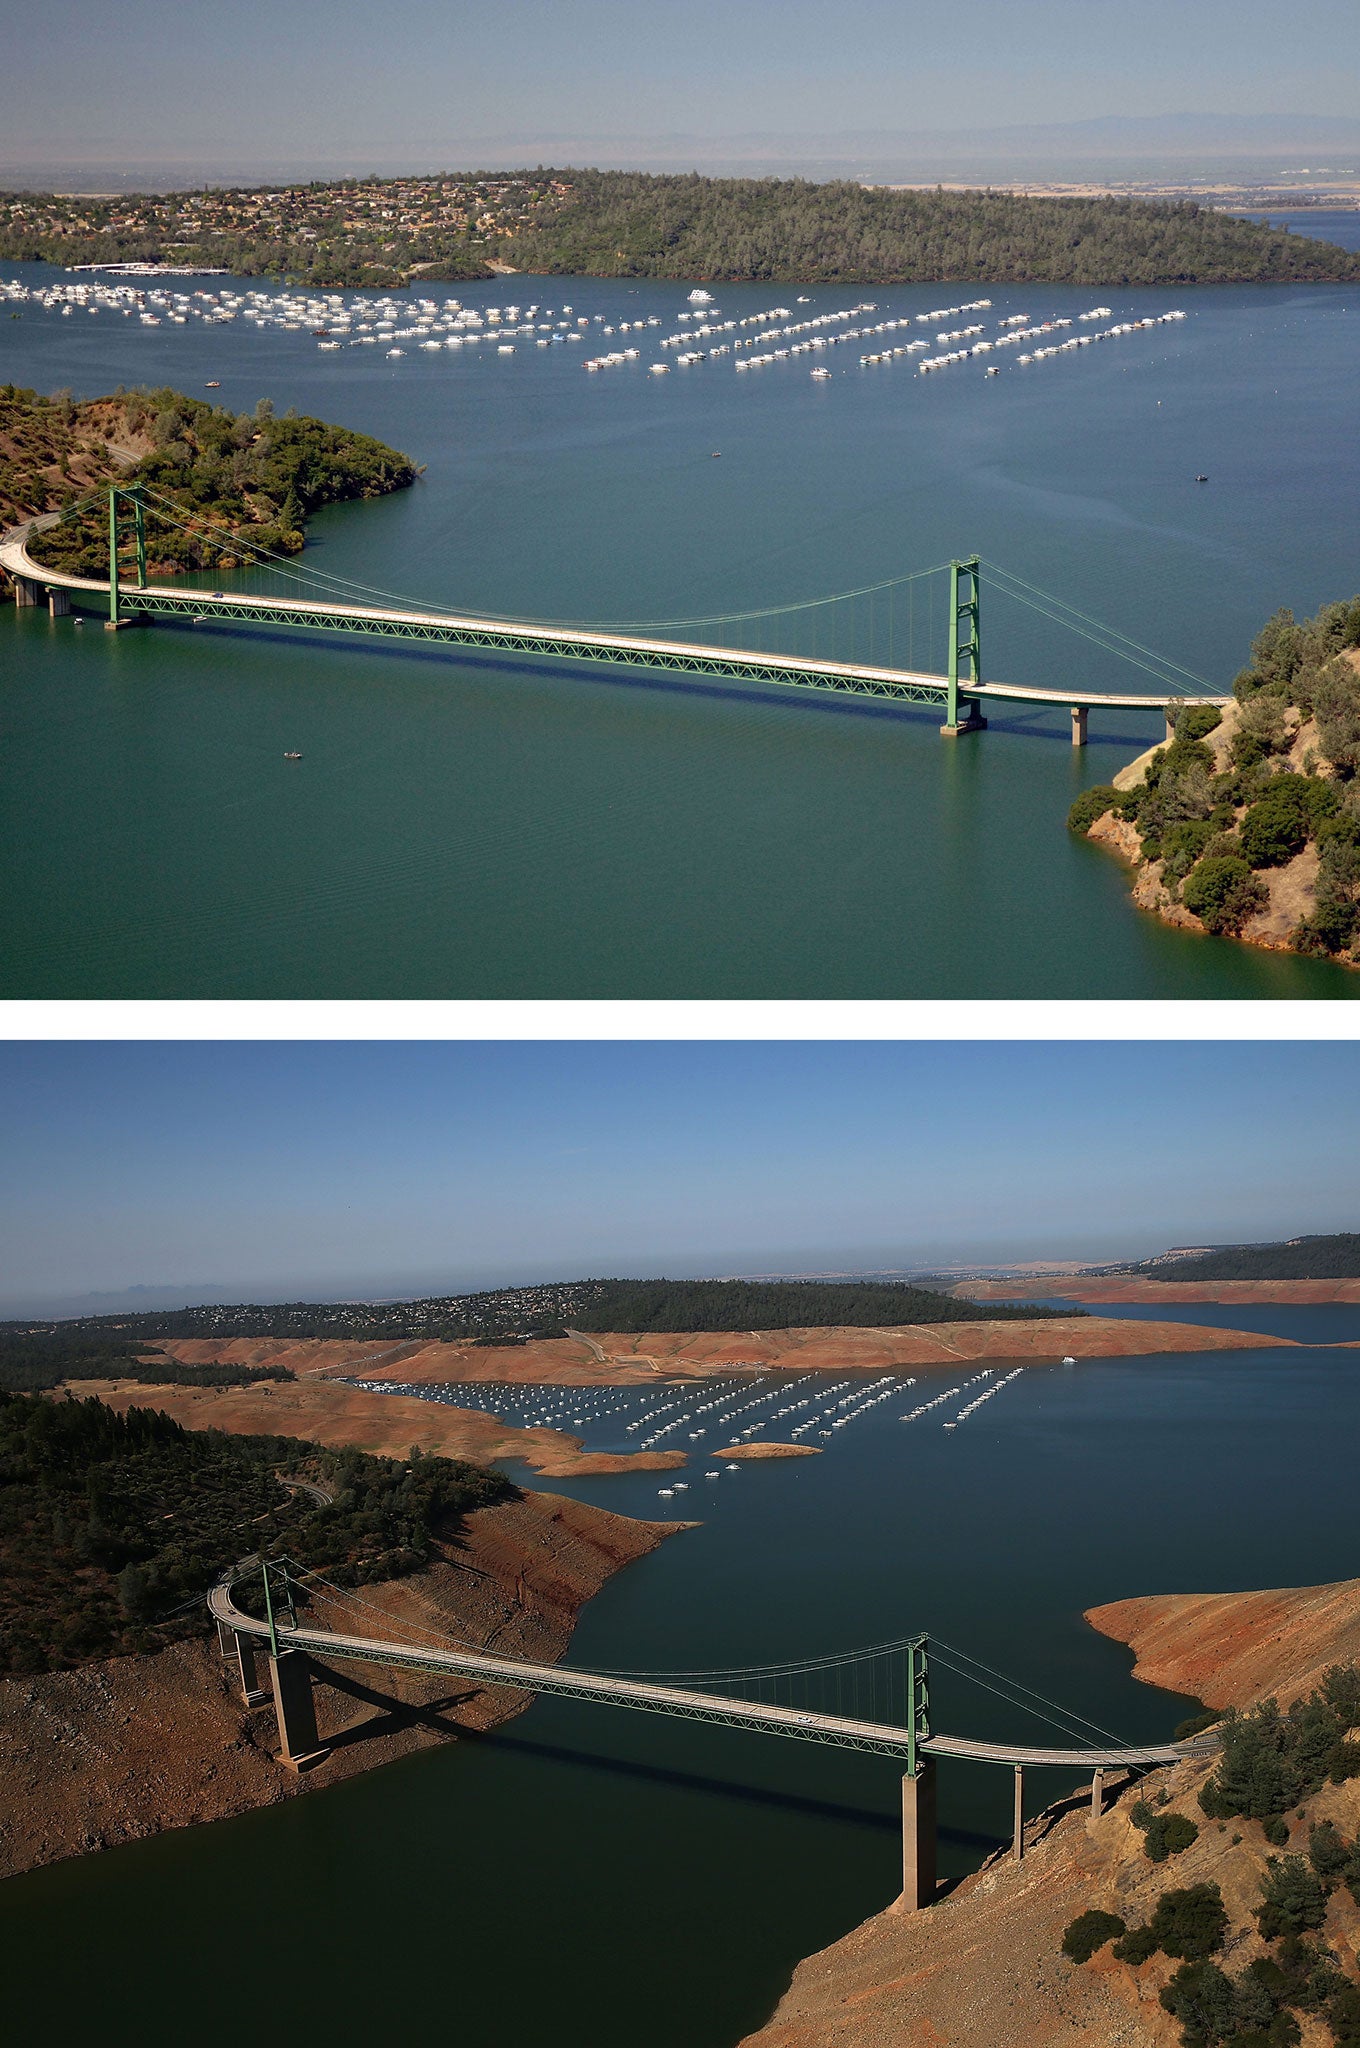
(222, 489)
(329, 1390)
(1248, 824)
(384, 232)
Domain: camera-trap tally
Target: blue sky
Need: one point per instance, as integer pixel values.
(426, 79)
(277, 1170)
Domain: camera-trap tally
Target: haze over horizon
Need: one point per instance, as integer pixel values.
(339, 88)
(360, 1171)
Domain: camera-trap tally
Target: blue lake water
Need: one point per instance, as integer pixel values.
(482, 828)
(606, 1877)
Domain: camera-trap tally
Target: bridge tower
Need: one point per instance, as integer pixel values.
(962, 713)
(133, 494)
(290, 1675)
(918, 1788)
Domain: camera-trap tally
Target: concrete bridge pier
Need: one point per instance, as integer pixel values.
(970, 719)
(248, 1671)
(299, 1744)
(1080, 714)
(918, 1839)
(1168, 713)
(58, 604)
(27, 593)
(1019, 1811)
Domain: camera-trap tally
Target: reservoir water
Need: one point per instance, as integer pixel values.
(479, 828)
(600, 1878)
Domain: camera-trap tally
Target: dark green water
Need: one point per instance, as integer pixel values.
(607, 1878)
(481, 829)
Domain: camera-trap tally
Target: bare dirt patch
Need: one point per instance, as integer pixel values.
(1170, 1293)
(755, 1452)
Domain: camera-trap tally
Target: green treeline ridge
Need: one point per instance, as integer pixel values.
(1335, 1257)
(374, 233)
(501, 1314)
(685, 1305)
(112, 1527)
(776, 230)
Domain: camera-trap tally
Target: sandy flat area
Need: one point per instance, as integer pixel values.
(616, 1358)
(389, 1425)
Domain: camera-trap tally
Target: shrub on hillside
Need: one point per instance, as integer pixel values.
(1090, 805)
(1223, 893)
(1088, 1932)
(1197, 721)
(1186, 1925)
(1169, 1834)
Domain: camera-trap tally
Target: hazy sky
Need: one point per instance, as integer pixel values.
(298, 1169)
(425, 79)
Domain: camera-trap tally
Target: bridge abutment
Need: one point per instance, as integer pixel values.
(918, 1839)
(299, 1744)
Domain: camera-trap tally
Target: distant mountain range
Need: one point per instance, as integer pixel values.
(1152, 142)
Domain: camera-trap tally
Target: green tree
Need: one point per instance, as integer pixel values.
(1294, 1900)
(1223, 893)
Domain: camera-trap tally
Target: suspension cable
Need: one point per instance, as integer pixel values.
(1092, 629)
(286, 566)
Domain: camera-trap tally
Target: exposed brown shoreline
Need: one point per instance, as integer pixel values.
(1168, 1294)
(131, 1746)
(983, 1967)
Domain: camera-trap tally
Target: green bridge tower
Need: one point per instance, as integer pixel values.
(133, 494)
(962, 713)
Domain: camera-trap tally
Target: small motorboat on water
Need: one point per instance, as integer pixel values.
(292, 757)
(213, 384)
(1201, 479)
(1069, 1361)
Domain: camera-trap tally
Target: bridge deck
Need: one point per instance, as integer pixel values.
(562, 642)
(834, 1730)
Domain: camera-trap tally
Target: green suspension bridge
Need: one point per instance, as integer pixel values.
(850, 644)
(875, 1700)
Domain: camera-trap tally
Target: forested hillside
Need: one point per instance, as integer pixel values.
(233, 483)
(112, 1527)
(627, 224)
(504, 1314)
(1303, 1258)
